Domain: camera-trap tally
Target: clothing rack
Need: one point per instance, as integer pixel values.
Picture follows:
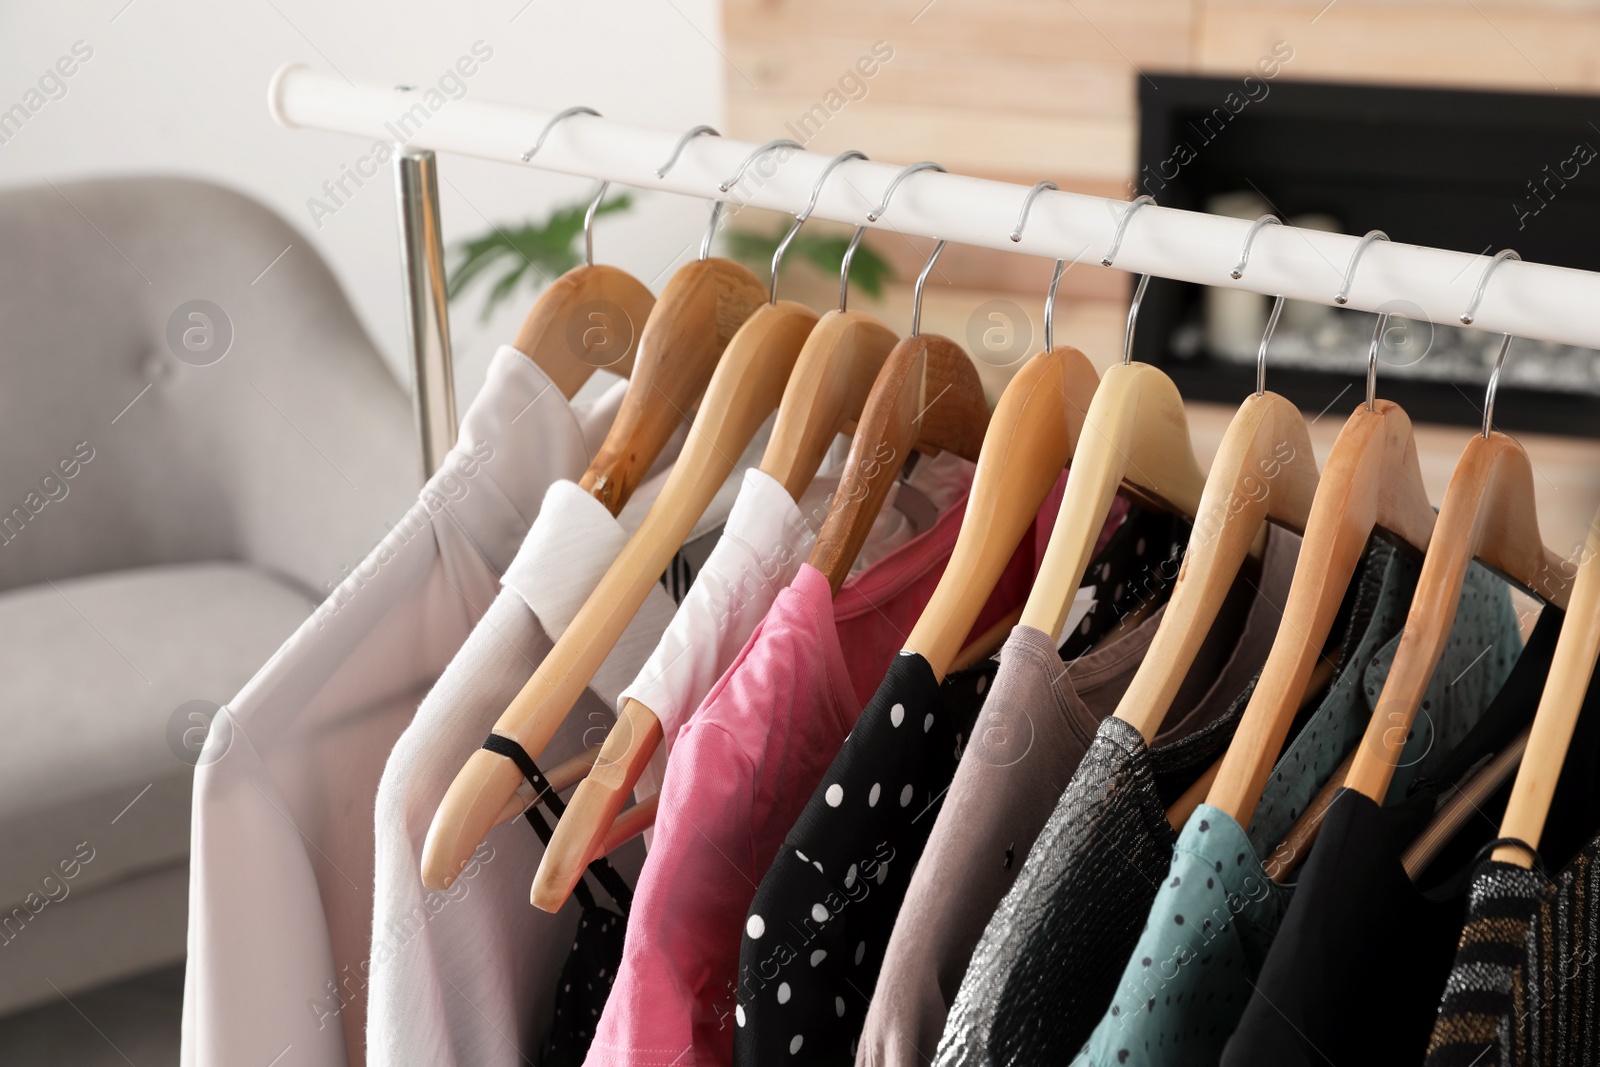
(1529, 300)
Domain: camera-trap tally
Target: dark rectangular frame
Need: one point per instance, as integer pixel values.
(1442, 167)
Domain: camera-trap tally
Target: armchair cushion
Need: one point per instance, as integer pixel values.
(95, 771)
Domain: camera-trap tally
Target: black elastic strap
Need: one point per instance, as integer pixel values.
(602, 871)
(1516, 843)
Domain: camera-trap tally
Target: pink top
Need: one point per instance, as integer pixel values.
(743, 767)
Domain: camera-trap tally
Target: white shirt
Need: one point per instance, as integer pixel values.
(466, 977)
(767, 537)
(281, 860)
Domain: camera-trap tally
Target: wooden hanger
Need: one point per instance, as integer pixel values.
(1265, 470)
(827, 390)
(702, 307)
(685, 334)
(743, 392)
(1136, 431)
(1488, 513)
(1571, 671)
(610, 304)
(928, 396)
(587, 319)
(1372, 480)
(833, 377)
(1032, 434)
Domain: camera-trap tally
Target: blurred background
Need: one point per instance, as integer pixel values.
(1466, 125)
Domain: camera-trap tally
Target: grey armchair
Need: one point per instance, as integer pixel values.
(167, 518)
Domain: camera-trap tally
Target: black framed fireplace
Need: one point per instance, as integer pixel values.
(1474, 171)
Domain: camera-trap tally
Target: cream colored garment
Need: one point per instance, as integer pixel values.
(281, 868)
(466, 977)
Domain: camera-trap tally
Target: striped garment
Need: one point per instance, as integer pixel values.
(1523, 988)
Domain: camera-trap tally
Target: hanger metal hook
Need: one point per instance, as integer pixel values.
(1050, 306)
(1483, 283)
(1055, 278)
(805, 213)
(922, 280)
(877, 213)
(844, 265)
(1277, 302)
(1133, 318)
(1494, 385)
(716, 205)
(1342, 297)
(1372, 357)
(677, 149)
(770, 146)
(588, 224)
(1122, 227)
(1027, 205)
(557, 118)
(861, 231)
(1266, 339)
(1144, 279)
(1268, 219)
(1505, 339)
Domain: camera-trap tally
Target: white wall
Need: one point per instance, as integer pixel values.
(179, 86)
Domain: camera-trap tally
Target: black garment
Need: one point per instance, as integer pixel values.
(837, 883)
(591, 967)
(1356, 970)
(586, 979)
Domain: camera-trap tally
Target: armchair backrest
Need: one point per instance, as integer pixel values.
(182, 379)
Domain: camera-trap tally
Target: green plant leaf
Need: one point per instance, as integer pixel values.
(869, 272)
(534, 252)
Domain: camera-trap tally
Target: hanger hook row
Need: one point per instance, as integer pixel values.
(877, 213)
(555, 120)
(1027, 206)
(1342, 297)
(805, 213)
(1483, 283)
(1505, 339)
(1268, 219)
(922, 280)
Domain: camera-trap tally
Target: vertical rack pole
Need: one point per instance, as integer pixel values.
(427, 316)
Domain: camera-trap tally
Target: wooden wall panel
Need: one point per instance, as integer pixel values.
(1545, 47)
(1024, 90)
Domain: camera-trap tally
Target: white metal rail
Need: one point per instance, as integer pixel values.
(1532, 300)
